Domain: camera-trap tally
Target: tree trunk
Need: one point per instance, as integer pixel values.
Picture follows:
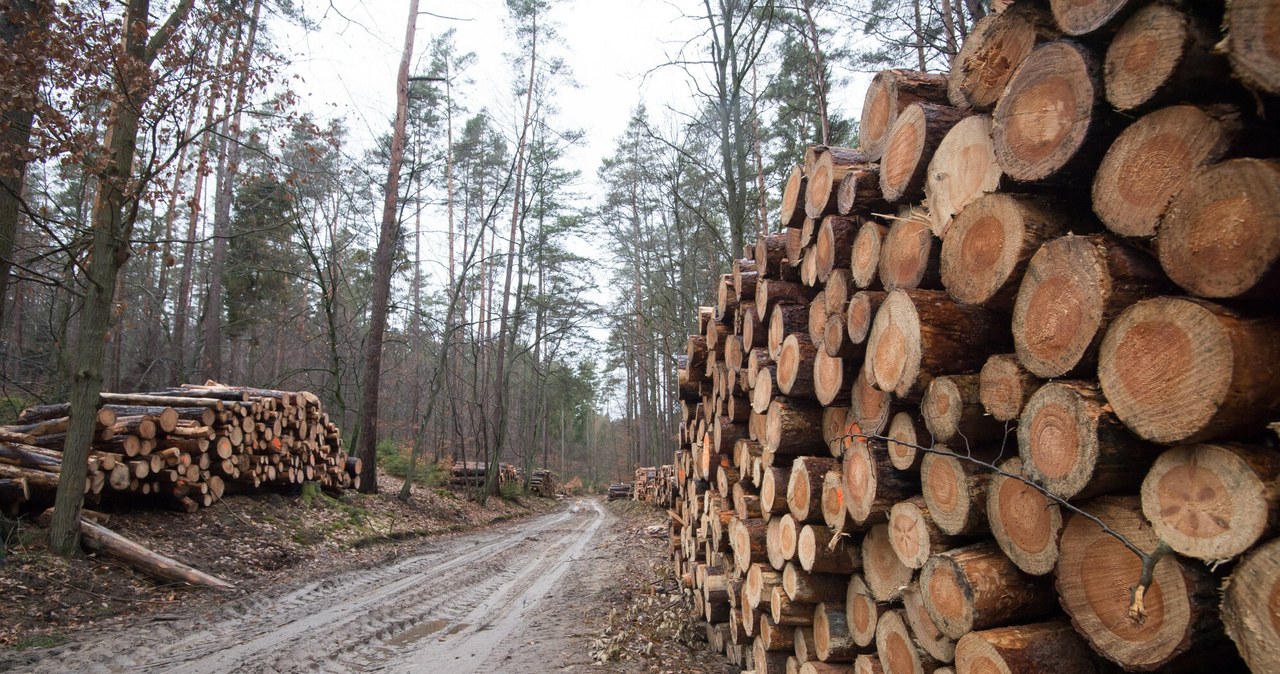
(955, 492)
(1039, 647)
(889, 92)
(1004, 386)
(910, 255)
(954, 414)
(996, 46)
(1163, 53)
(991, 242)
(962, 170)
(913, 138)
(1025, 523)
(977, 587)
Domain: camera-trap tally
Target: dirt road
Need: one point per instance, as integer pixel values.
(506, 599)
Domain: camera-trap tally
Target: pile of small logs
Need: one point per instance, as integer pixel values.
(653, 484)
(185, 445)
(543, 483)
(996, 398)
(472, 474)
(619, 491)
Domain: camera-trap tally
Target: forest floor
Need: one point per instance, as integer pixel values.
(362, 584)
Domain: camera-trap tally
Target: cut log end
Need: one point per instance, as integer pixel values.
(1045, 114)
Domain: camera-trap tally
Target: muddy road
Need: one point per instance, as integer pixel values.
(507, 599)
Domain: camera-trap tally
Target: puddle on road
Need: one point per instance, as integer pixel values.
(426, 629)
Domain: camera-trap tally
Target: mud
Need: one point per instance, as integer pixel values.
(512, 599)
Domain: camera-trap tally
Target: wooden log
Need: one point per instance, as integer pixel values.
(773, 542)
(899, 653)
(766, 660)
(1080, 17)
(816, 553)
(1251, 26)
(726, 298)
(868, 664)
(889, 92)
(785, 320)
(793, 198)
(833, 245)
(36, 479)
(773, 292)
(804, 487)
(770, 249)
(1163, 53)
(811, 588)
(762, 391)
(1213, 501)
(864, 260)
(1154, 159)
(1249, 607)
(871, 408)
(760, 581)
(748, 541)
(106, 542)
(919, 334)
(858, 317)
(1039, 647)
(977, 587)
(1004, 386)
(871, 484)
(823, 189)
(910, 254)
(1025, 523)
(913, 535)
(787, 538)
(859, 191)
(862, 611)
(163, 400)
(830, 375)
(834, 511)
(886, 576)
(786, 611)
(1072, 444)
(792, 428)
(913, 138)
(28, 456)
(832, 639)
(955, 491)
(1048, 122)
(835, 429)
(990, 244)
(776, 637)
(773, 489)
(1095, 577)
(962, 170)
(954, 414)
(1182, 370)
(1221, 235)
(796, 366)
(1073, 288)
(906, 434)
(996, 45)
(927, 635)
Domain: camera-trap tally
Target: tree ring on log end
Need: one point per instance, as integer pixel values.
(1060, 305)
(1045, 113)
(949, 596)
(1078, 17)
(1191, 508)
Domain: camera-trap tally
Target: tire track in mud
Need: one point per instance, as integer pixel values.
(449, 606)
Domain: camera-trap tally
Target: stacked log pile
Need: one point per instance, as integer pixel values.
(1023, 335)
(186, 446)
(473, 474)
(654, 484)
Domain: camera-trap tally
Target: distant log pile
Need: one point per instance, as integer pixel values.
(847, 402)
(185, 446)
(654, 484)
(473, 473)
(543, 483)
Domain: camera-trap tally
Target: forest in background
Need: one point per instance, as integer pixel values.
(251, 239)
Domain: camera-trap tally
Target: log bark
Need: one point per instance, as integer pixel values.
(770, 249)
(1163, 54)
(785, 319)
(792, 428)
(995, 47)
(1249, 607)
(886, 576)
(1153, 159)
(1024, 522)
(815, 553)
(1182, 370)
(748, 540)
(1221, 235)
(1095, 575)
(1073, 289)
(910, 255)
(786, 611)
(963, 169)
(889, 92)
(1048, 122)
(915, 135)
(991, 243)
(920, 334)
(833, 245)
(1213, 501)
(859, 191)
(1004, 386)
(864, 260)
(1072, 444)
(810, 588)
(1038, 647)
(977, 587)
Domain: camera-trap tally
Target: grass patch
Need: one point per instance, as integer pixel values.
(40, 641)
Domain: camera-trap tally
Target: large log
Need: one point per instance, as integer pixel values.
(1163, 53)
(899, 653)
(1213, 501)
(910, 254)
(955, 492)
(993, 50)
(990, 244)
(914, 137)
(1096, 575)
(954, 414)
(1073, 445)
(792, 428)
(1025, 523)
(977, 587)
(1249, 607)
(1038, 647)
(862, 611)
(885, 574)
(1048, 122)
(1251, 27)
(864, 260)
(889, 92)
(1004, 386)
(1073, 288)
(919, 334)
(1079, 17)
(871, 484)
(1153, 159)
(106, 542)
(963, 169)
(823, 188)
(1221, 235)
(1182, 370)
